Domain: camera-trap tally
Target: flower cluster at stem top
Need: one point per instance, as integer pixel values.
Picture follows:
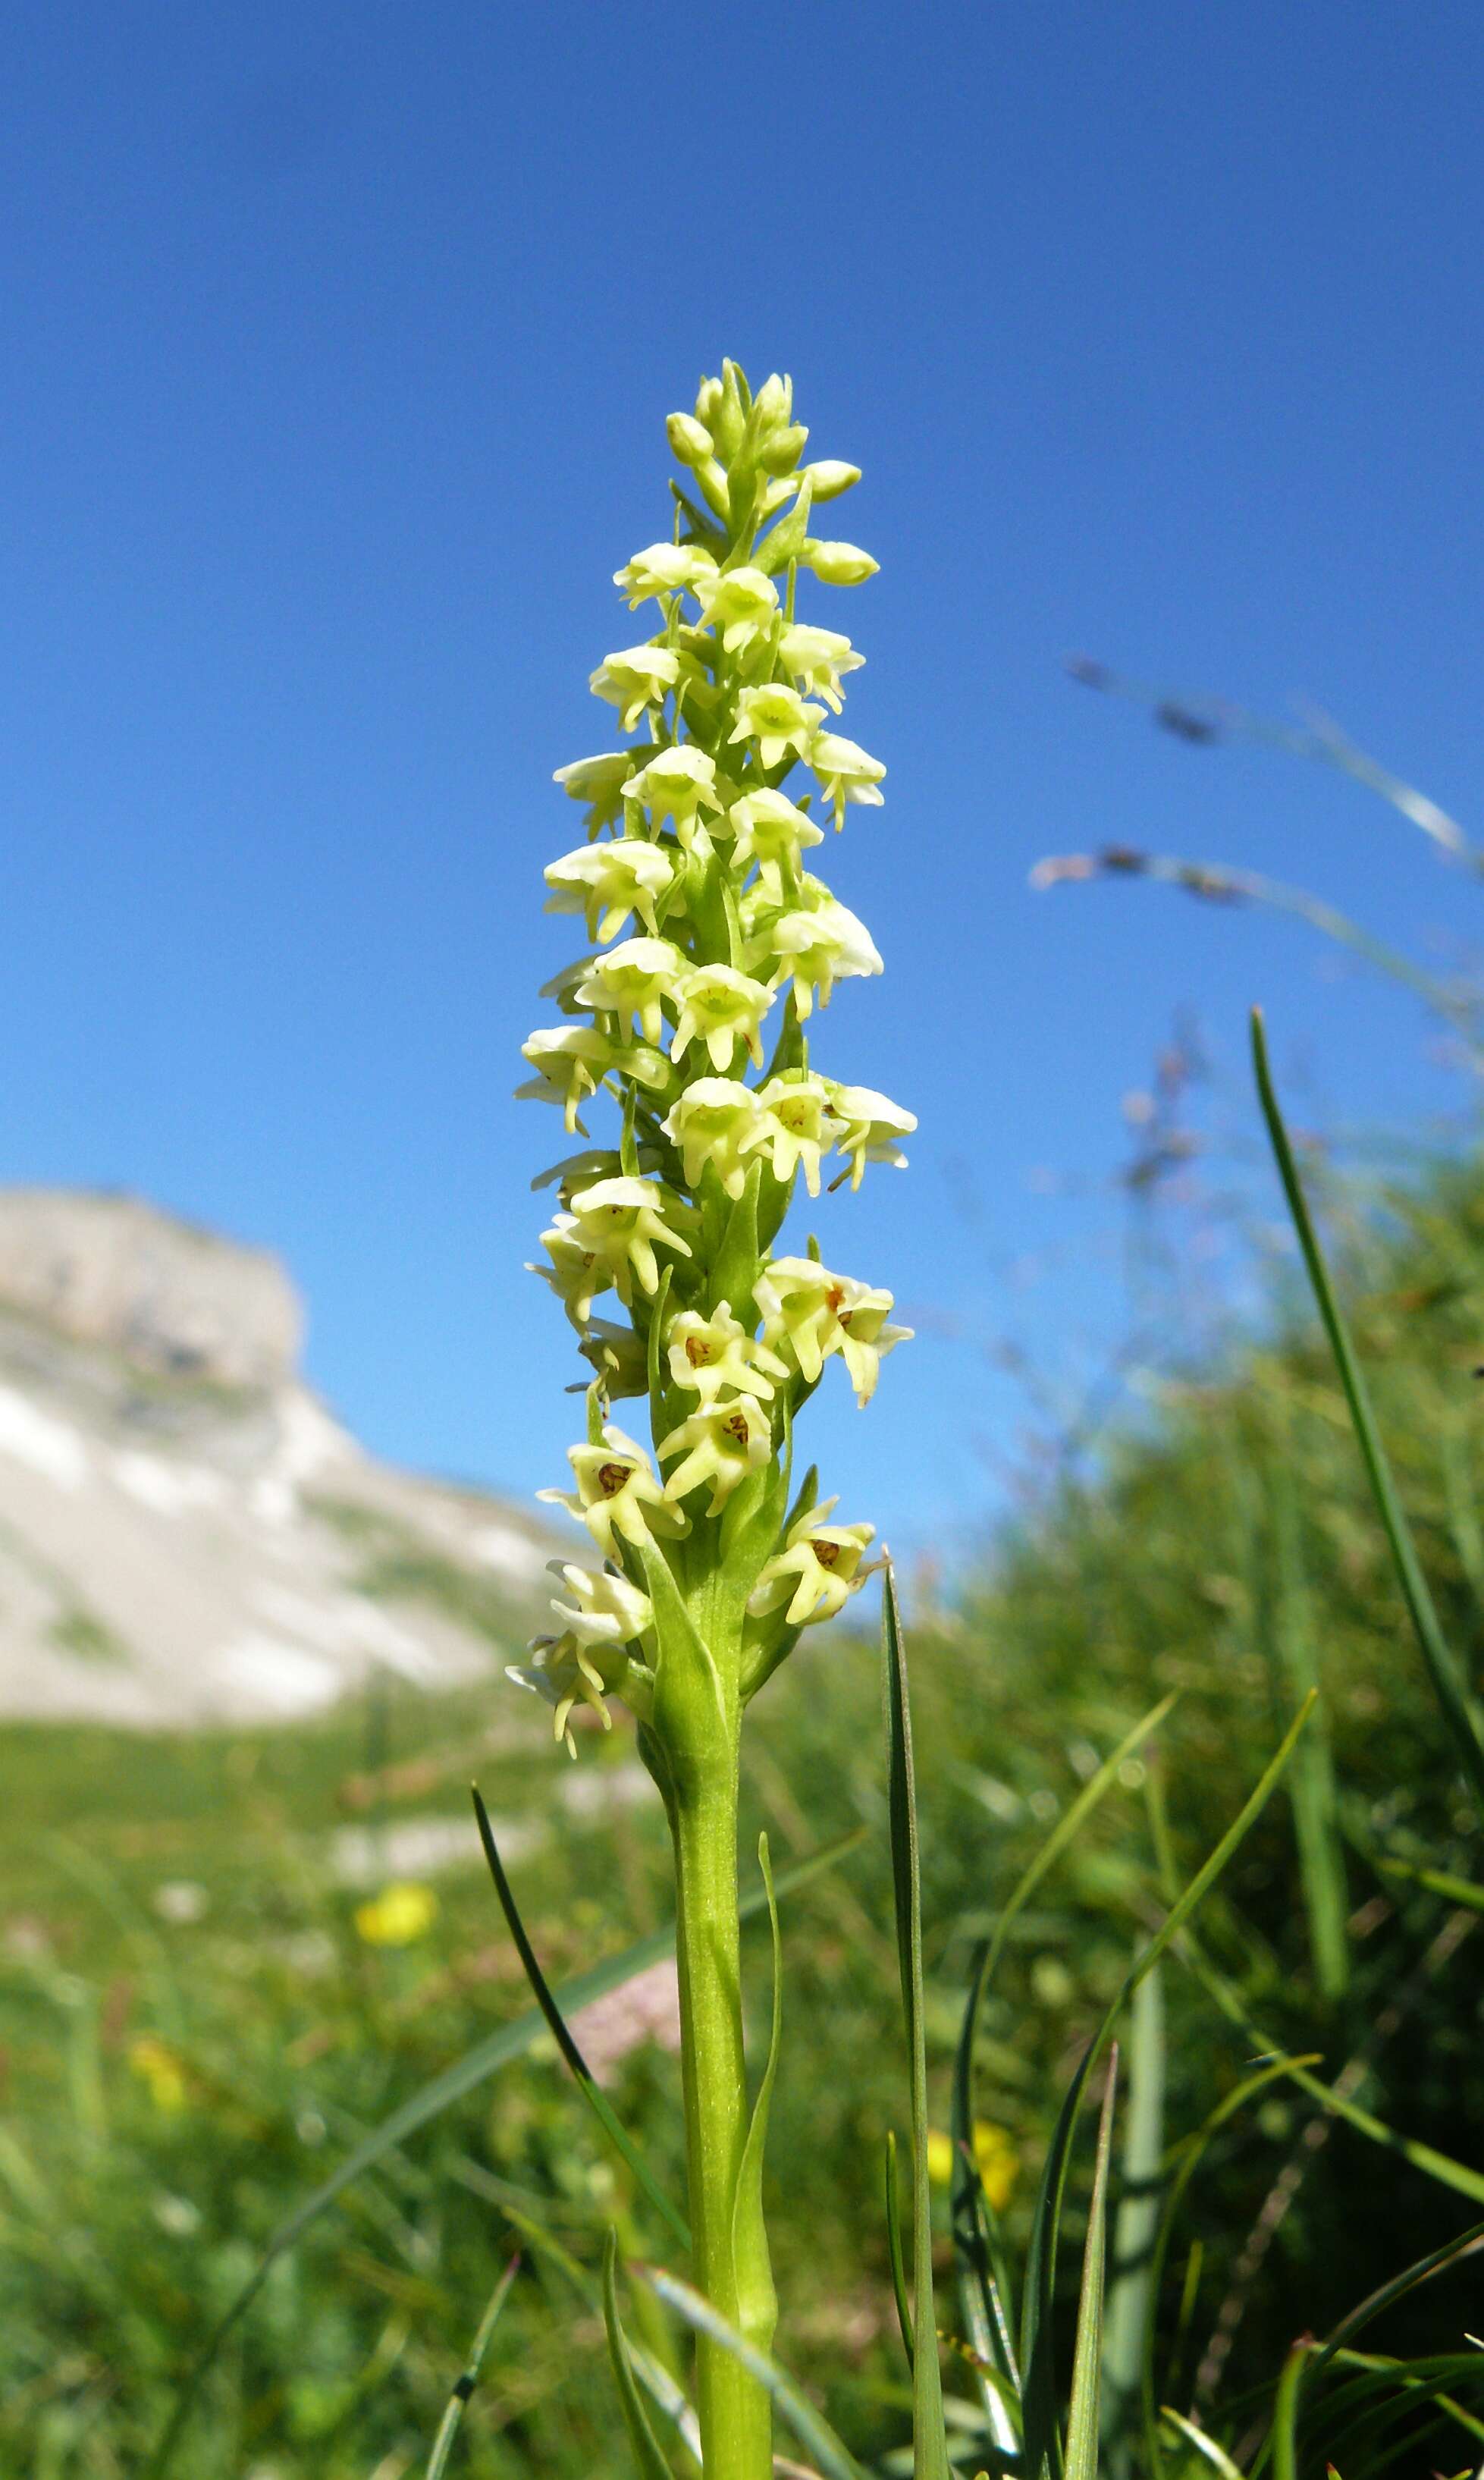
(714, 943)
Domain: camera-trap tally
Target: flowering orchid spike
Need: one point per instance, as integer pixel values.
(709, 945)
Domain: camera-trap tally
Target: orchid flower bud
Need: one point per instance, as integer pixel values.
(839, 564)
(690, 440)
(829, 477)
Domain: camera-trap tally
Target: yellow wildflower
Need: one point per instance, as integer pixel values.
(398, 1915)
(994, 2153)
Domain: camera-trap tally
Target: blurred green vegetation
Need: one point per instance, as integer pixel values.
(195, 2029)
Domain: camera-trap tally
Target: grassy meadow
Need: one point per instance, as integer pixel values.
(204, 2006)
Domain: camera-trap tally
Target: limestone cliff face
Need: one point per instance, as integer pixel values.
(187, 1534)
(113, 1270)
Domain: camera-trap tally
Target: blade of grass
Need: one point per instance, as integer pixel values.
(447, 2426)
(658, 2381)
(1397, 2387)
(1434, 2165)
(1285, 2418)
(1205, 2447)
(930, 2437)
(1312, 1788)
(636, 2419)
(984, 2298)
(894, 2249)
(1083, 2419)
(1191, 2153)
(582, 2075)
(1129, 2315)
(486, 2060)
(1424, 2269)
(1043, 2447)
(835, 2459)
(987, 2304)
(1092, 1792)
(1439, 1881)
(1459, 1709)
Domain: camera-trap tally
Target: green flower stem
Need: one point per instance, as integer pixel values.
(698, 1727)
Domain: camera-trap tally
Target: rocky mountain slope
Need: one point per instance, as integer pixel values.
(186, 1534)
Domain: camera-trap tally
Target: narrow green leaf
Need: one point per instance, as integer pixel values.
(930, 2437)
(582, 2075)
(834, 2459)
(756, 2298)
(894, 2249)
(636, 2419)
(1460, 1709)
(486, 2060)
(447, 2426)
(1082, 2422)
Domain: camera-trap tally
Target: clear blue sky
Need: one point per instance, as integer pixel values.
(335, 345)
